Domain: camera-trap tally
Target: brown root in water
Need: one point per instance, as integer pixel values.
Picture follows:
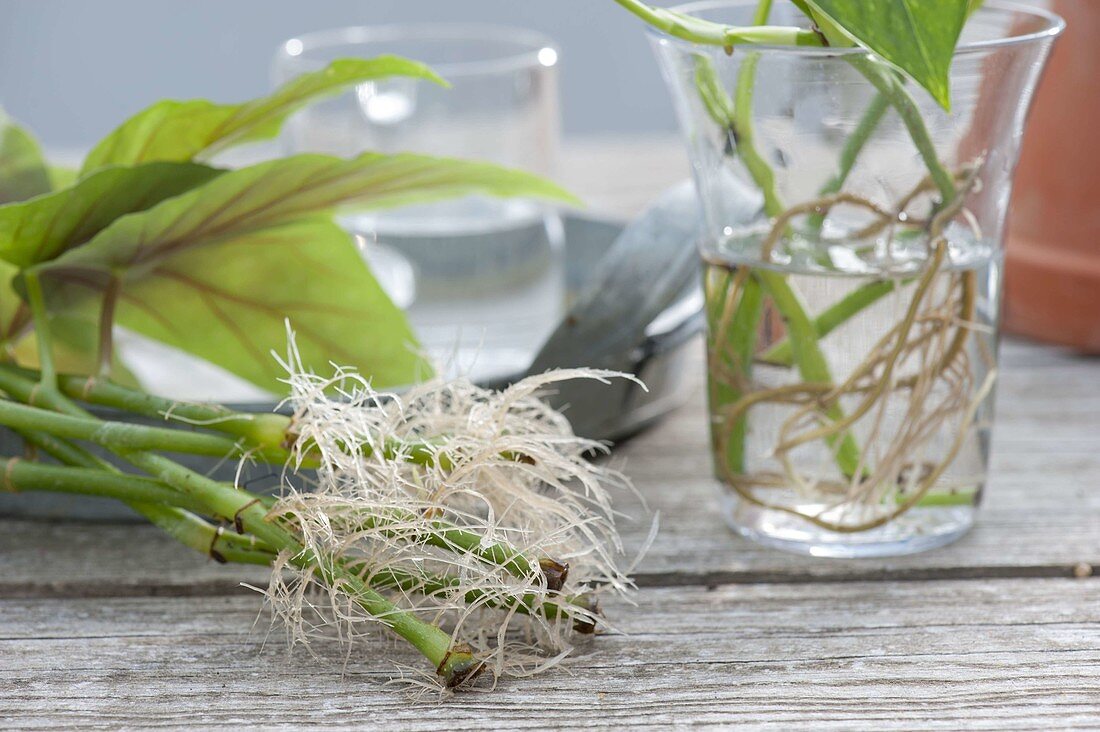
(937, 388)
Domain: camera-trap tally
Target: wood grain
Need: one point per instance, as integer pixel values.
(995, 654)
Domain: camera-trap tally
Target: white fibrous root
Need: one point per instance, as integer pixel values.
(477, 510)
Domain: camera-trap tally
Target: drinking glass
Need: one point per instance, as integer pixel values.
(853, 275)
(482, 279)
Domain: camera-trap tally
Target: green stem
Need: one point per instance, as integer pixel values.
(811, 361)
(697, 30)
(745, 132)
(812, 365)
(859, 138)
(268, 430)
(833, 317)
(743, 334)
(948, 499)
(37, 300)
(130, 437)
(63, 450)
(270, 433)
(889, 85)
(100, 478)
(807, 353)
(854, 145)
(187, 528)
(528, 603)
(453, 663)
(884, 79)
(114, 435)
(175, 521)
(20, 475)
(805, 349)
(24, 475)
(443, 535)
(744, 328)
(744, 331)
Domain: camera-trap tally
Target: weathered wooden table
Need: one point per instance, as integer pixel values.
(108, 626)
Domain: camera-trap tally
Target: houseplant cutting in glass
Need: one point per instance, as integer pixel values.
(854, 164)
(469, 523)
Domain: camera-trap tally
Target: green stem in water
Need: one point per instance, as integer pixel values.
(744, 327)
(742, 337)
(807, 353)
(807, 356)
(833, 317)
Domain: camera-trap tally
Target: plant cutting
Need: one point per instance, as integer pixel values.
(465, 521)
(854, 198)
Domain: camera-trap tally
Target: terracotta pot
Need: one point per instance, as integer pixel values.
(1052, 268)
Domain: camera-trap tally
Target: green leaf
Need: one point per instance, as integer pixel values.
(38, 230)
(279, 191)
(14, 313)
(75, 334)
(179, 131)
(188, 249)
(916, 36)
(62, 176)
(23, 171)
(229, 303)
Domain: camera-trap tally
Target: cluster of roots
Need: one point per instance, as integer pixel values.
(479, 511)
(916, 384)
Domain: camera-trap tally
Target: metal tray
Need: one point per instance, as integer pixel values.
(608, 412)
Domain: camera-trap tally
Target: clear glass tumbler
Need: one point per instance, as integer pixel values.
(853, 275)
(482, 279)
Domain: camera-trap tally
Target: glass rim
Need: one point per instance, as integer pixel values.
(530, 45)
(1054, 24)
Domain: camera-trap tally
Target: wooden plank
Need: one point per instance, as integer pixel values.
(1008, 654)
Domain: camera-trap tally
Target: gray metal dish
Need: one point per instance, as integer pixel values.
(657, 356)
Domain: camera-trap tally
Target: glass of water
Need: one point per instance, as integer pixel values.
(482, 279)
(852, 255)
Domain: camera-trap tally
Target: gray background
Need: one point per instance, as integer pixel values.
(72, 69)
